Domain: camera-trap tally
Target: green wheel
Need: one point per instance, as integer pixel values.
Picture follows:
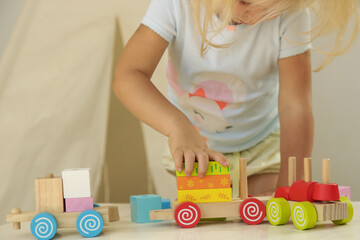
(350, 212)
(304, 215)
(278, 211)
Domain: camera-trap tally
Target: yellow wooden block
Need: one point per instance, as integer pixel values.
(205, 195)
(214, 168)
(49, 194)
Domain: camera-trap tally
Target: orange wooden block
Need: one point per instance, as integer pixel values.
(49, 194)
(207, 182)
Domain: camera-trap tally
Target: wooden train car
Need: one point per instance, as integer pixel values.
(51, 213)
(252, 210)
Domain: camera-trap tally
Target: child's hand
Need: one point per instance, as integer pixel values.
(187, 145)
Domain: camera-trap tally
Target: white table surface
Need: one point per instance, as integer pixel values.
(234, 229)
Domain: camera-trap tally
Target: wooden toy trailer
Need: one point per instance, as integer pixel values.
(309, 202)
(44, 224)
(188, 214)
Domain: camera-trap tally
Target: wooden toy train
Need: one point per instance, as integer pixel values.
(307, 202)
(64, 202)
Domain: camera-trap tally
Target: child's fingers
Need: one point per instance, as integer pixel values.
(189, 157)
(178, 156)
(203, 160)
(216, 156)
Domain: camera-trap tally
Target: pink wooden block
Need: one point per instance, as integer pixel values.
(345, 191)
(78, 204)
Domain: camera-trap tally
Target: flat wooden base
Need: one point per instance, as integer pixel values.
(334, 210)
(208, 210)
(67, 219)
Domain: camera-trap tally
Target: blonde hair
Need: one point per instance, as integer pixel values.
(332, 16)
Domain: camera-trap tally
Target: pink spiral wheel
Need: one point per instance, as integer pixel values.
(187, 214)
(252, 211)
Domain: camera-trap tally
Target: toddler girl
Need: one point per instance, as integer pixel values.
(239, 77)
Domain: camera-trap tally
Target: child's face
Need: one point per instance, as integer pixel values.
(247, 12)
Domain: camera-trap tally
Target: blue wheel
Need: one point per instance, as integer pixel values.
(89, 223)
(43, 226)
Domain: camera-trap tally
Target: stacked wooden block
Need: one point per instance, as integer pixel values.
(49, 194)
(214, 187)
(77, 192)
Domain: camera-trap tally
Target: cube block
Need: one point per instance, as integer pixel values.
(49, 194)
(76, 183)
(141, 205)
(165, 203)
(345, 191)
(78, 204)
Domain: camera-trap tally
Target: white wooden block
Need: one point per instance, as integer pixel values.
(76, 183)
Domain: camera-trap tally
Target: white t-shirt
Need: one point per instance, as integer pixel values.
(231, 94)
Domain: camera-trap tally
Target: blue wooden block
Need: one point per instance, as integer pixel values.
(165, 203)
(141, 205)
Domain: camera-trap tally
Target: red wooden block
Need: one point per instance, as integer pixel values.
(302, 191)
(326, 192)
(78, 204)
(282, 192)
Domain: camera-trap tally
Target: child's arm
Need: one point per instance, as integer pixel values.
(295, 113)
(134, 89)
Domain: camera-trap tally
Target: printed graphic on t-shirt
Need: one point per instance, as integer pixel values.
(209, 96)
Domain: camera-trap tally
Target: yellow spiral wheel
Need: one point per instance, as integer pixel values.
(278, 211)
(350, 212)
(303, 215)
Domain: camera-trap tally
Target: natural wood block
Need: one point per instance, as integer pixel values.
(214, 168)
(207, 182)
(205, 195)
(49, 195)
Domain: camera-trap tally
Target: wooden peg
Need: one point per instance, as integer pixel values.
(291, 170)
(325, 171)
(307, 170)
(243, 179)
(16, 225)
(49, 175)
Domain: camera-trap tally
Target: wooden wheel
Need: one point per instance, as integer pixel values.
(187, 214)
(278, 211)
(252, 211)
(43, 226)
(304, 215)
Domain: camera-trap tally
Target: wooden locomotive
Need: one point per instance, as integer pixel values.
(64, 202)
(309, 202)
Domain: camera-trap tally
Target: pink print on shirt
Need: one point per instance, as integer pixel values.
(209, 96)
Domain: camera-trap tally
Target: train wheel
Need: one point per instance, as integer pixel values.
(304, 215)
(43, 226)
(89, 223)
(252, 211)
(350, 212)
(187, 214)
(278, 211)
